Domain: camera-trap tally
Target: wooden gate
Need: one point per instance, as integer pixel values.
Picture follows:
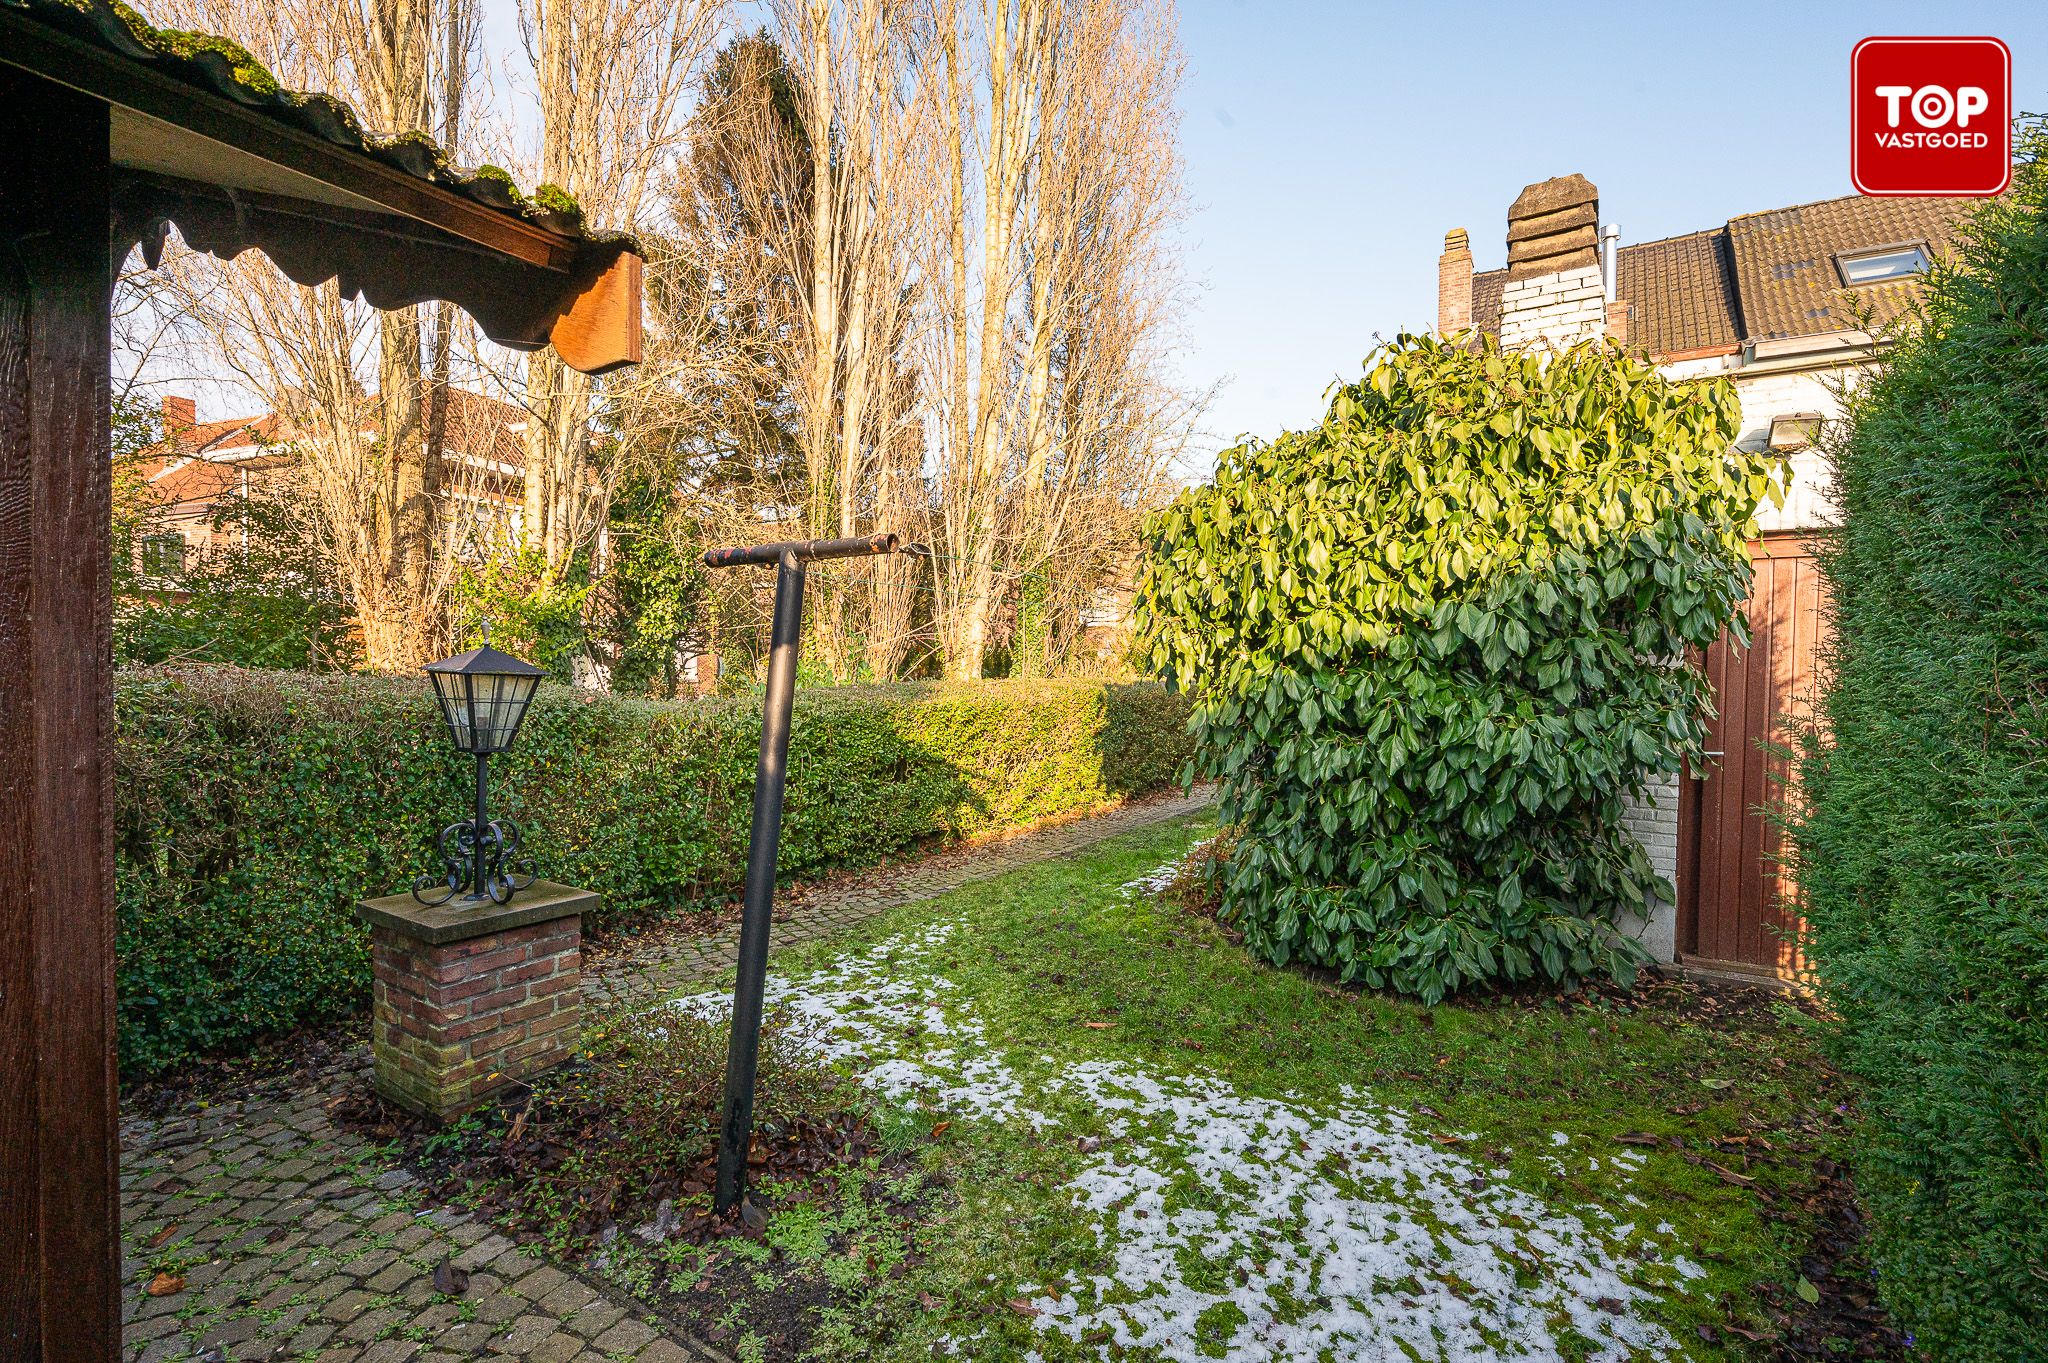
(1735, 896)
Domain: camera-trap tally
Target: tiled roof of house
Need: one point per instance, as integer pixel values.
(1682, 292)
(208, 436)
(1486, 291)
(1785, 261)
(202, 462)
(201, 482)
(1762, 276)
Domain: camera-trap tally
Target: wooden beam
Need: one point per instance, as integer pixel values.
(59, 1212)
(601, 329)
(394, 262)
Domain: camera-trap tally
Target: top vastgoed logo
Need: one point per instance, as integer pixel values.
(1931, 116)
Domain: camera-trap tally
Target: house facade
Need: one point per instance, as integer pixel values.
(1793, 305)
(200, 465)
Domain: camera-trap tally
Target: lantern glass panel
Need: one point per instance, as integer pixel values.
(498, 704)
(452, 690)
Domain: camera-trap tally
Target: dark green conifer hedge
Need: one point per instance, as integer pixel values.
(1923, 849)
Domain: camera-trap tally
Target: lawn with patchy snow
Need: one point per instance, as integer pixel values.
(1162, 1150)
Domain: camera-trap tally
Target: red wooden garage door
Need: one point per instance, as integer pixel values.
(1736, 899)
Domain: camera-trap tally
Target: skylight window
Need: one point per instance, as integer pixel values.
(1884, 264)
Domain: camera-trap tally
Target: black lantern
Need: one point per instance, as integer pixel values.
(484, 694)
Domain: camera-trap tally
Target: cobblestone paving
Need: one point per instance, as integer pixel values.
(293, 1242)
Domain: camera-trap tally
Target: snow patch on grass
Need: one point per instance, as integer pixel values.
(1244, 1227)
(1162, 875)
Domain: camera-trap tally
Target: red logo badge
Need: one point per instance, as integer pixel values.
(1931, 116)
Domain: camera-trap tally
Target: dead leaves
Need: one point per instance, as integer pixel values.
(449, 1280)
(166, 1285)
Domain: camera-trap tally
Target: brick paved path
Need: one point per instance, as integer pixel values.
(294, 1242)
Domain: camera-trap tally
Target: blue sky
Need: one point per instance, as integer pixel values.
(1329, 147)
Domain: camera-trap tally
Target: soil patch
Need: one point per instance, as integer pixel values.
(607, 1189)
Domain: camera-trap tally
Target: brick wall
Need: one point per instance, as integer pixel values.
(1557, 309)
(456, 1021)
(1654, 823)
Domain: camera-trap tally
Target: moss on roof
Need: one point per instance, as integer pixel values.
(223, 66)
(249, 73)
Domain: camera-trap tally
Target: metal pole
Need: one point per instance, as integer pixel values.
(743, 1052)
(483, 823)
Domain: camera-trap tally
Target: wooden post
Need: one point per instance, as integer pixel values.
(59, 1213)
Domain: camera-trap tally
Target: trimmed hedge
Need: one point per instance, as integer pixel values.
(255, 808)
(1923, 848)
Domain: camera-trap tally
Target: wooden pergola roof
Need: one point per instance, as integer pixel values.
(202, 137)
(110, 134)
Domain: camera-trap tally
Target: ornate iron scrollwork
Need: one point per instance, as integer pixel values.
(501, 871)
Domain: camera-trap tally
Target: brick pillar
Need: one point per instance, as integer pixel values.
(468, 1000)
(1454, 283)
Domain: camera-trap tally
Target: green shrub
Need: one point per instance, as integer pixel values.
(1425, 642)
(255, 808)
(1923, 851)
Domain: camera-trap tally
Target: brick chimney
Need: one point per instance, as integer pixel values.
(1553, 295)
(1454, 283)
(1554, 226)
(180, 414)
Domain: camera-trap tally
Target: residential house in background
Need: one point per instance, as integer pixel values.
(200, 465)
(1793, 306)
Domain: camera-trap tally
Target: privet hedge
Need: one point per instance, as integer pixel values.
(1427, 645)
(1923, 852)
(255, 808)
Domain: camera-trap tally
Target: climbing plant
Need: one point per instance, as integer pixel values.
(1436, 642)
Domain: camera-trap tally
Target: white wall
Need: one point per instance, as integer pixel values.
(1654, 822)
(1558, 309)
(1809, 501)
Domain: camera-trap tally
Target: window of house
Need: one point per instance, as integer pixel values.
(163, 555)
(1883, 263)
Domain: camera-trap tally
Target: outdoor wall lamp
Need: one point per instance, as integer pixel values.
(484, 694)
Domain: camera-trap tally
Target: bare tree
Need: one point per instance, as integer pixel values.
(612, 78)
(786, 298)
(863, 114)
(306, 352)
(1055, 410)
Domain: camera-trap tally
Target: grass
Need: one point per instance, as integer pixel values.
(1069, 1039)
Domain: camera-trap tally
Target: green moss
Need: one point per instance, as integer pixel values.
(555, 199)
(500, 176)
(248, 72)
